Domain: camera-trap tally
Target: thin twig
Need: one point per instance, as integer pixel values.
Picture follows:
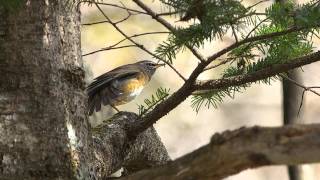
(108, 48)
(305, 89)
(137, 44)
(94, 23)
(166, 24)
(117, 22)
(116, 44)
(167, 13)
(302, 86)
(253, 29)
(224, 61)
(117, 6)
(217, 65)
(234, 33)
(252, 6)
(252, 39)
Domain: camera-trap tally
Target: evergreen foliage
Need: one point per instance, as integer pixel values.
(161, 95)
(220, 16)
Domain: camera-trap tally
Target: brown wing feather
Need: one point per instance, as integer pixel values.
(98, 91)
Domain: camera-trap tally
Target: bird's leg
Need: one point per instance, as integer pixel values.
(114, 108)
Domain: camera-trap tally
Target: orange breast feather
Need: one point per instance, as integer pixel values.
(135, 84)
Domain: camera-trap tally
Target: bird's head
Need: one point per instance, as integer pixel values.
(149, 66)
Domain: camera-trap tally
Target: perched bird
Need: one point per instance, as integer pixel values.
(120, 85)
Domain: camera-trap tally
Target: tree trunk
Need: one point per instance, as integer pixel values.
(43, 126)
(291, 100)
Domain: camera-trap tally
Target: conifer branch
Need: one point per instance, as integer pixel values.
(269, 71)
(190, 86)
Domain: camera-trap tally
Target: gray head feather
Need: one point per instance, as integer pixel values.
(148, 66)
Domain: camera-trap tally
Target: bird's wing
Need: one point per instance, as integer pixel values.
(104, 80)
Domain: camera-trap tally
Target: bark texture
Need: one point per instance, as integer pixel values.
(233, 151)
(43, 126)
(44, 132)
(114, 147)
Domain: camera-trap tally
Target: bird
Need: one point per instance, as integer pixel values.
(120, 85)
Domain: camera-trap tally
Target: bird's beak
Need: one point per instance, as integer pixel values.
(159, 65)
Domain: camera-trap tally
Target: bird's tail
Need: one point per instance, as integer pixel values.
(94, 103)
(96, 99)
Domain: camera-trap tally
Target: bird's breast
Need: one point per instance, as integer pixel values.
(129, 88)
(136, 91)
(133, 87)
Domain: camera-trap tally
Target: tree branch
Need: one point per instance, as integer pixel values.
(258, 75)
(233, 151)
(113, 148)
(189, 86)
(124, 39)
(168, 26)
(117, 6)
(252, 39)
(179, 96)
(109, 48)
(305, 89)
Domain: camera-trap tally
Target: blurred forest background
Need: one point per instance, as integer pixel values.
(183, 130)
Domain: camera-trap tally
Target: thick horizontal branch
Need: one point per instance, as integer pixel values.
(234, 151)
(258, 75)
